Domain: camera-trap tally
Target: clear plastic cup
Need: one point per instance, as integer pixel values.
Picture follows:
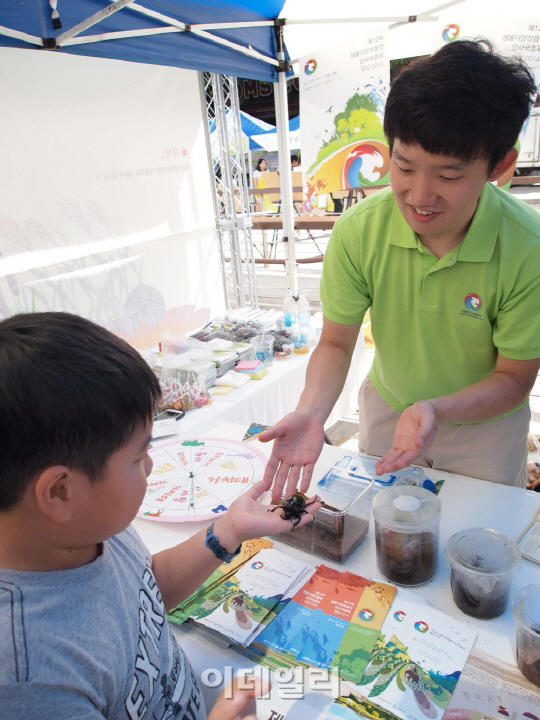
(264, 348)
(526, 611)
(407, 534)
(483, 562)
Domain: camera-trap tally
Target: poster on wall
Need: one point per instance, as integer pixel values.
(106, 206)
(343, 91)
(510, 36)
(517, 37)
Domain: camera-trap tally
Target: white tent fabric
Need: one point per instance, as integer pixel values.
(408, 40)
(269, 141)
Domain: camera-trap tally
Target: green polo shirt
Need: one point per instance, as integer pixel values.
(437, 324)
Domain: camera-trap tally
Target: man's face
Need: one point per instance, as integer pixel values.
(437, 194)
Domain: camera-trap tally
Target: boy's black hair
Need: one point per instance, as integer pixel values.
(465, 101)
(71, 393)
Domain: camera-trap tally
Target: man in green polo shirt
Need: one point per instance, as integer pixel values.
(450, 267)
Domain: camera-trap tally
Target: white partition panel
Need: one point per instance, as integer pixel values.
(105, 194)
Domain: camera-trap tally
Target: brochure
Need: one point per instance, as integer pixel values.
(331, 622)
(249, 594)
(529, 540)
(415, 664)
(491, 688)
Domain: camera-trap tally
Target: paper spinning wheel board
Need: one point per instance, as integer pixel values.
(199, 479)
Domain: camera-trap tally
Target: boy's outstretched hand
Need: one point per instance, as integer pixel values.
(247, 518)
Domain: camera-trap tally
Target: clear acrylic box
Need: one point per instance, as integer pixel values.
(335, 533)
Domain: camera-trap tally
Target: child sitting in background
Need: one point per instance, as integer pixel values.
(82, 602)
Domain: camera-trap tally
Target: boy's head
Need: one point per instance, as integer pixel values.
(71, 393)
(465, 101)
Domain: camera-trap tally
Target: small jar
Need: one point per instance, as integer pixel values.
(407, 534)
(483, 562)
(526, 611)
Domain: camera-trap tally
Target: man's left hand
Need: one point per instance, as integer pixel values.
(415, 433)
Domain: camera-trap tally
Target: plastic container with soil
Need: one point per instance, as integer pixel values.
(335, 533)
(483, 562)
(407, 534)
(526, 611)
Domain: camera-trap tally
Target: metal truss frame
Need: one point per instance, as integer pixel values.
(225, 144)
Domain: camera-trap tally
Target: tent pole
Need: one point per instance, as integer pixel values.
(284, 154)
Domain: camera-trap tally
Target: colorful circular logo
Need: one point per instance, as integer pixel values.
(473, 302)
(366, 615)
(399, 616)
(421, 626)
(257, 565)
(366, 163)
(450, 32)
(310, 67)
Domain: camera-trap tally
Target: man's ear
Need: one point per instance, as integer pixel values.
(55, 492)
(504, 165)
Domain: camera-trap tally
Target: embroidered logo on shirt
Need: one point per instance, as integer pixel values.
(473, 302)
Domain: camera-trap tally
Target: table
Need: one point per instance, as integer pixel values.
(301, 222)
(268, 400)
(466, 502)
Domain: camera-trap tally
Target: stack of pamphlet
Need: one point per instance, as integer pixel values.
(245, 351)
(414, 667)
(225, 360)
(237, 603)
(332, 622)
(205, 371)
(182, 612)
(283, 613)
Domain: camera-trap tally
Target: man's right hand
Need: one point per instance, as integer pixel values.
(299, 439)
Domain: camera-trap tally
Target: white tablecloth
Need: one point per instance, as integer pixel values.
(266, 401)
(466, 502)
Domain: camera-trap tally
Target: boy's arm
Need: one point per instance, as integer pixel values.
(506, 388)
(180, 570)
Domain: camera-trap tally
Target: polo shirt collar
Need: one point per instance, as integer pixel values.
(479, 242)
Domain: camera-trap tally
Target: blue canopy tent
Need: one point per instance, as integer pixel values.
(234, 38)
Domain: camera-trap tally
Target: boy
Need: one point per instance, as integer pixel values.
(82, 604)
(450, 267)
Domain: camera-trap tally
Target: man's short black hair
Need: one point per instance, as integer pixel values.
(71, 393)
(465, 101)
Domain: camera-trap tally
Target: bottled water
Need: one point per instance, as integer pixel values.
(289, 309)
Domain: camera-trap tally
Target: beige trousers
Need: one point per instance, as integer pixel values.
(494, 450)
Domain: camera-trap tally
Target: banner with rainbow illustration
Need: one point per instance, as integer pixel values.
(510, 36)
(343, 91)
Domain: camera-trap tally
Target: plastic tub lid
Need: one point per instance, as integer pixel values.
(526, 608)
(406, 507)
(483, 550)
